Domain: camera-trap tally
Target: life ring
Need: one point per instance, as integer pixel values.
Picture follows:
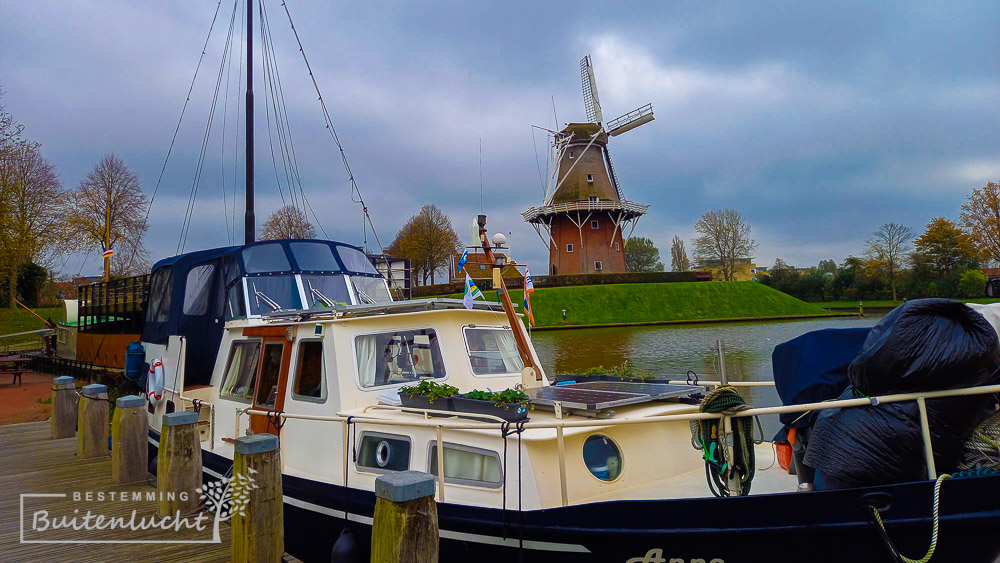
(154, 383)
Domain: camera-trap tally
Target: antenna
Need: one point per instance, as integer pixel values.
(480, 175)
(590, 99)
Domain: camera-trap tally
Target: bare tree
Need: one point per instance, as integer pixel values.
(888, 248)
(287, 222)
(30, 198)
(724, 241)
(428, 240)
(981, 216)
(109, 203)
(678, 256)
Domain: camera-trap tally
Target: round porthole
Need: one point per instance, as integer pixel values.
(382, 453)
(602, 457)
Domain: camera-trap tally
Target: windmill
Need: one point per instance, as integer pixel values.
(584, 212)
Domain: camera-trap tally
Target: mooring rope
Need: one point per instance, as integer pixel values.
(708, 436)
(934, 532)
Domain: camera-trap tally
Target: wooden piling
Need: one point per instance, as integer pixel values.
(129, 431)
(178, 466)
(63, 407)
(406, 521)
(92, 422)
(257, 528)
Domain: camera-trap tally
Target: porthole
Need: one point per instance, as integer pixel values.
(382, 453)
(602, 457)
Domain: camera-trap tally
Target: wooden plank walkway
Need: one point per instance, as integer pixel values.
(32, 462)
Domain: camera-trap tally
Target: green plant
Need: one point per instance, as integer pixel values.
(430, 389)
(596, 370)
(505, 397)
(625, 370)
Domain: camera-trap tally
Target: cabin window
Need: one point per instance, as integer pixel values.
(271, 293)
(492, 351)
(569, 247)
(160, 288)
(270, 370)
(198, 289)
(388, 358)
(355, 261)
(598, 266)
(326, 291)
(309, 381)
(265, 258)
(314, 256)
(241, 371)
(602, 457)
(380, 452)
(465, 465)
(370, 290)
(595, 224)
(236, 308)
(590, 180)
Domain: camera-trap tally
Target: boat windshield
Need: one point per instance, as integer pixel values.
(272, 293)
(492, 351)
(326, 291)
(370, 290)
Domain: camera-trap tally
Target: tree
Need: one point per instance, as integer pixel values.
(109, 201)
(887, 249)
(428, 240)
(678, 256)
(641, 255)
(724, 241)
(287, 222)
(827, 266)
(943, 248)
(972, 283)
(981, 216)
(30, 198)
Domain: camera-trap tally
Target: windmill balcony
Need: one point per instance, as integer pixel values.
(630, 208)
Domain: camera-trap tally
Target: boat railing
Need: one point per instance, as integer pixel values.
(367, 417)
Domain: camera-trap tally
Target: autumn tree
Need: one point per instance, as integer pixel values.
(887, 251)
(944, 248)
(678, 256)
(106, 211)
(724, 241)
(30, 198)
(428, 240)
(287, 222)
(641, 255)
(981, 216)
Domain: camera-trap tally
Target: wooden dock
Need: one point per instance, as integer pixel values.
(31, 462)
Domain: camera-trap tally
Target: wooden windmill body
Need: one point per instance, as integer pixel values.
(584, 216)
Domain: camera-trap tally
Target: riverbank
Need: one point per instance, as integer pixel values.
(661, 303)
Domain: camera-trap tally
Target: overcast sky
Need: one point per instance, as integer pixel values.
(817, 121)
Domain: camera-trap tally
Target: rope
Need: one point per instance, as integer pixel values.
(934, 532)
(708, 436)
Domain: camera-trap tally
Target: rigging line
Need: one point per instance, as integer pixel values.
(84, 263)
(538, 166)
(185, 228)
(225, 114)
(267, 113)
(333, 131)
(204, 48)
(291, 143)
(480, 175)
(281, 123)
(239, 105)
(271, 105)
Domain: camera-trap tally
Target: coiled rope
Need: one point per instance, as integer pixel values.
(934, 532)
(708, 436)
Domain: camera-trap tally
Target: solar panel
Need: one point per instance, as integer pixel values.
(597, 395)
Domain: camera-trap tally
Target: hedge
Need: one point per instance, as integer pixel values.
(564, 280)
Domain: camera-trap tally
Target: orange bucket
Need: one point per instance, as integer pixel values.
(784, 451)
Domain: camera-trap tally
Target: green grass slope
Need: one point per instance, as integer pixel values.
(18, 320)
(659, 302)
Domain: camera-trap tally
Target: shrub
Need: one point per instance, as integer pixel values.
(972, 283)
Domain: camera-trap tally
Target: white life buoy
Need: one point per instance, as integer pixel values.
(154, 383)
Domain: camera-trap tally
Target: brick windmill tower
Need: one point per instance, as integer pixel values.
(584, 214)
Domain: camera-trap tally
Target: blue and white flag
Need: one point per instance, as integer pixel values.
(461, 261)
(471, 292)
(529, 285)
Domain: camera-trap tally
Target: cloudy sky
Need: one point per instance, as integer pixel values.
(817, 121)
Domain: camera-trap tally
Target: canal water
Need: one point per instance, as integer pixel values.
(675, 349)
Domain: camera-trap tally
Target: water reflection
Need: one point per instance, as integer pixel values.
(673, 350)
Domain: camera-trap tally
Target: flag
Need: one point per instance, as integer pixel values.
(471, 292)
(527, 308)
(461, 261)
(109, 253)
(529, 286)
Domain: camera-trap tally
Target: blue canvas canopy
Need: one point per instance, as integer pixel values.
(193, 294)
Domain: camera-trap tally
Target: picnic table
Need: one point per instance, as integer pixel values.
(15, 366)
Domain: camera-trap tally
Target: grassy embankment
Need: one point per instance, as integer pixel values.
(641, 303)
(890, 303)
(18, 320)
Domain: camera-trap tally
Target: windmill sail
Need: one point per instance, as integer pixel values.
(590, 99)
(630, 120)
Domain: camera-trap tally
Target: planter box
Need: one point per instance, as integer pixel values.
(424, 402)
(511, 412)
(560, 379)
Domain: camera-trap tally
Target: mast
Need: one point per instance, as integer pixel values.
(248, 218)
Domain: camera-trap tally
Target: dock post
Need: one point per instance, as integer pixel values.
(406, 520)
(257, 527)
(178, 465)
(129, 431)
(63, 407)
(92, 422)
